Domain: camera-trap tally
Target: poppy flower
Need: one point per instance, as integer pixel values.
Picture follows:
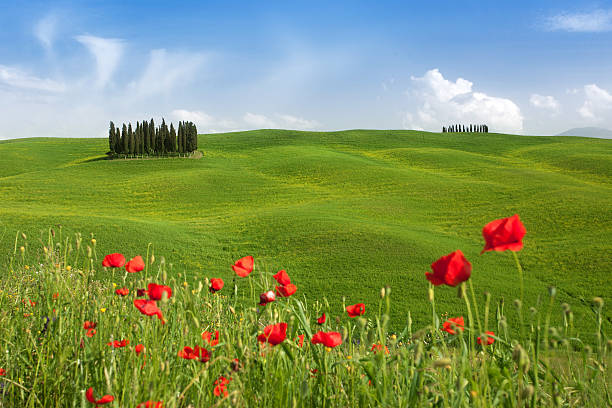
(216, 284)
(156, 291)
(301, 340)
(453, 323)
(142, 292)
(266, 298)
(104, 400)
(235, 365)
(89, 325)
(118, 343)
(122, 292)
(135, 264)
(151, 404)
(321, 319)
(149, 308)
(286, 290)
(379, 347)
(355, 310)
(451, 269)
(208, 338)
(221, 386)
(488, 339)
(55, 295)
(139, 348)
(2, 372)
(196, 353)
(113, 261)
(503, 234)
(90, 332)
(282, 278)
(274, 334)
(244, 266)
(328, 339)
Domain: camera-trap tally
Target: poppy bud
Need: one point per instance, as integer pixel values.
(552, 291)
(430, 294)
(521, 358)
(442, 363)
(597, 301)
(24, 236)
(528, 392)
(382, 293)
(517, 304)
(22, 249)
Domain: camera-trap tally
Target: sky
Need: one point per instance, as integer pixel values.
(67, 68)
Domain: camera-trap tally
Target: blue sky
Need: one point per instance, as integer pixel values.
(68, 67)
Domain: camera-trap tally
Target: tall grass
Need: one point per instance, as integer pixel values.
(49, 361)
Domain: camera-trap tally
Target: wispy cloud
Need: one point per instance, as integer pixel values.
(593, 21)
(597, 102)
(544, 102)
(16, 78)
(45, 30)
(107, 53)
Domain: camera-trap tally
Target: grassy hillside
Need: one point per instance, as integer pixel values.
(345, 213)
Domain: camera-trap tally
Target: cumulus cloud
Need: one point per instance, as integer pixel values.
(597, 101)
(167, 70)
(594, 21)
(16, 78)
(107, 53)
(280, 121)
(442, 102)
(544, 102)
(45, 31)
(259, 121)
(205, 122)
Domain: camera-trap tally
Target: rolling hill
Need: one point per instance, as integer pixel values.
(345, 213)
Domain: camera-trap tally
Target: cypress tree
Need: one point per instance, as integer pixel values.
(152, 138)
(130, 139)
(124, 140)
(111, 138)
(172, 138)
(195, 138)
(145, 137)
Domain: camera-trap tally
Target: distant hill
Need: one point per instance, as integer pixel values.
(588, 132)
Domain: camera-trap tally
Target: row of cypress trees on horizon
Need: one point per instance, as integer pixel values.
(146, 139)
(466, 128)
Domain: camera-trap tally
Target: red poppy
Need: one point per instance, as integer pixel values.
(149, 308)
(29, 301)
(282, 278)
(135, 264)
(379, 347)
(489, 340)
(122, 291)
(286, 290)
(221, 386)
(235, 365)
(321, 319)
(451, 269)
(274, 334)
(355, 310)
(243, 266)
(151, 404)
(301, 340)
(453, 323)
(156, 291)
(118, 343)
(113, 261)
(104, 400)
(503, 234)
(196, 353)
(2, 372)
(139, 348)
(208, 338)
(89, 325)
(266, 298)
(216, 284)
(142, 292)
(55, 295)
(90, 332)
(328, 339)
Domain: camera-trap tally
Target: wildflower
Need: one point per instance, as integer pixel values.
(55, 295)
(156, 291)
(355, 310)
(286, 290)
(135, 264)
(274, 334)
(208, 338)
(2, 372)
(68, 268)
(104, 400)
(282, 278)
(113, 261)
(488, 339)
(266, 298)
(328, 339)
(235, 365)
(139, 348)
(504, 234)
(244, 266)
(451, 269)
(122, 292)
(151, 404)
(301, 340)
(118, 343)
(321, 319)
(142, 292)
(453, 323)
(149, 308)
(90, 332)
(103, 309)
(196, 353)
(216, 284)
(89, 325)
(379, 347)
(221, 386)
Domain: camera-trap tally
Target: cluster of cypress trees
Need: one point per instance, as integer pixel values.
(466, 128)
(146, 139)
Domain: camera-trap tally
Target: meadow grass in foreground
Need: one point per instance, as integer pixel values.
(144, 338)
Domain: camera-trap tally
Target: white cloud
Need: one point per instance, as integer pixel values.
(280, 121)
(45, 31)
(259, 121)
(107, 52)
(204, 122)
(594, 21)
(443, 102)
(597, 102)
(16, 78)
(294, 122)
(167, 70)
(544, 102)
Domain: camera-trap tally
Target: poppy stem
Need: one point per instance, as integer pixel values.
(470, 317)
(520, 271)
(475, 306)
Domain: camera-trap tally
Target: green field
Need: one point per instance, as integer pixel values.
(345, 213)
